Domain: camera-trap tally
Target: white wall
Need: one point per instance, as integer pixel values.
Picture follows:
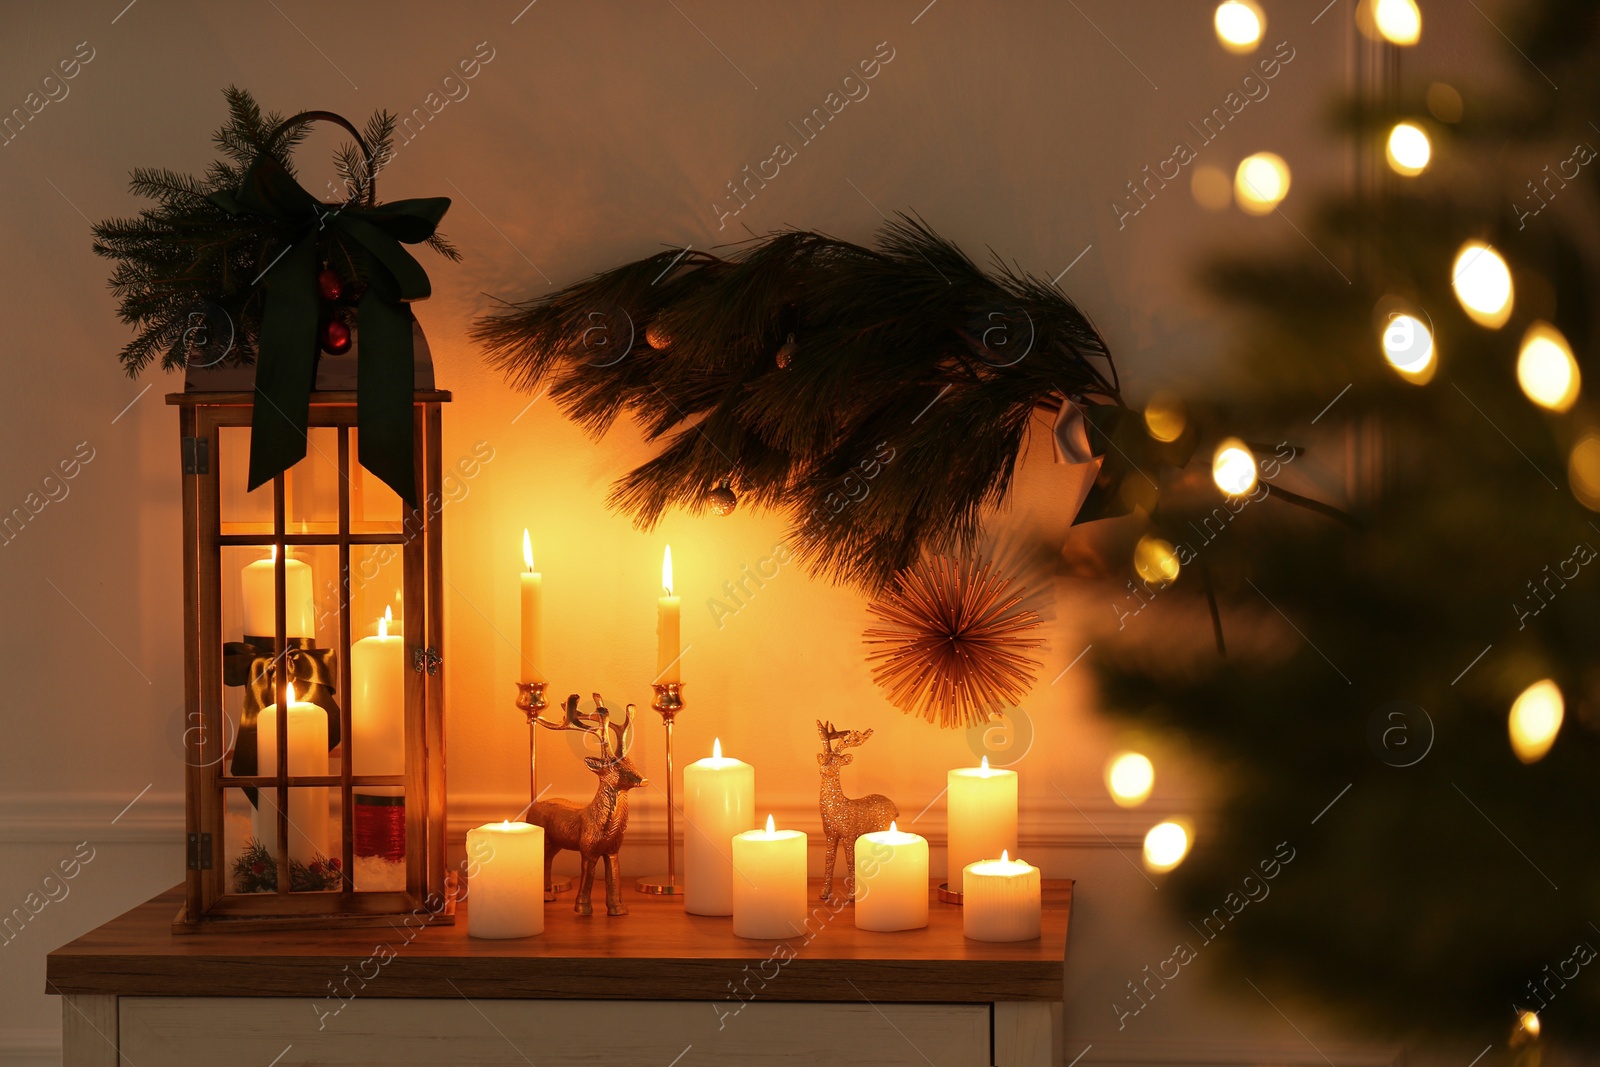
(597, 134)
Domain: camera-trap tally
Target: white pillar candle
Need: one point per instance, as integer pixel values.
(532, 592)
(891, 880)
(308, 755)
(981, 816)
(769, 883)
(668, 643)
(257, 585)
(1000, 900)
(378, 706)
(505, 880)
(719, 801)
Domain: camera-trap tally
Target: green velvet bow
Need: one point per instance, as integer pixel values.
(286, 359)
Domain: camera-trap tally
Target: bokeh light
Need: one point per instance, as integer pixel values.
(1211, 188)
(1482, 282)
(1261, 183)
(1166, 845)
(1233, 467)
(1155, 560)
(1408, 149)
(1546, 369)
(1166, 416)
(1396, 21)
(1408, 346)
(1239, 24)
(1535, 720)
(1583, 470)
(1530, 1023)
(1129, 778)
(1444, 102)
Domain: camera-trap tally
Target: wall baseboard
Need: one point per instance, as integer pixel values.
(1202, 1052)
(157, 818)
(30, 1047)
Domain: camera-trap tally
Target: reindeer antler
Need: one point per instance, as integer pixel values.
(852, 738)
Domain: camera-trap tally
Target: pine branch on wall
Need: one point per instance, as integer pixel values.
(879, 397)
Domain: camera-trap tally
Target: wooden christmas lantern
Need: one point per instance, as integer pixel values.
(319, 591)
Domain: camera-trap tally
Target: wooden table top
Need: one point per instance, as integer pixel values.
(656, 952)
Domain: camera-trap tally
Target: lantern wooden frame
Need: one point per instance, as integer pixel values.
(208, 899)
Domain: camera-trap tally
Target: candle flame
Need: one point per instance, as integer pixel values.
(505, 824)
(527, 550)
(1005, 855)
(893, 827)
(716, 748)
(986, 763)
(291, 693)
(771, 826)
(383, 624)
(666, 570)
(273, 558)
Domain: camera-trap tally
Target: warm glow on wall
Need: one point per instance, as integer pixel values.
(1408, 149)
(1166, 845)
(1261, 183)
(1408, 346)
(1546, 369)
(1239, 24)
(1482, 282)
(1535, 720)
(1129, 777)
(1233, 467)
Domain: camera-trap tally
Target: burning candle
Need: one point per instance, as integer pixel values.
(257, 586)
(505, 880)
(532, 583)
(308, 755)
(668, 645)
(1000, 900)
(769, 883)
(378, 740)
(891, 880)
(982, 817)
(719, 799)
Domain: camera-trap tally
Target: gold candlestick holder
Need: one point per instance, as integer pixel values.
(668, 702)
(530, 701)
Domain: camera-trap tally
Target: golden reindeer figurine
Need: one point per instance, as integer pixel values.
(593, 830)
(844, 818)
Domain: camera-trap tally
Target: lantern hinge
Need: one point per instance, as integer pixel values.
(199, 852)
(197, 455)
(426, 660)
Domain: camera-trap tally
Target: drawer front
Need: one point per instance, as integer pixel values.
(285, 1032)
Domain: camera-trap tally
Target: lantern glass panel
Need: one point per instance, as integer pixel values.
(374, 507)
(311, 486)
(241, 512)
(379, 820)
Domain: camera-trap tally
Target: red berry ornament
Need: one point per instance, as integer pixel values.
(329, 285)
(335, 338)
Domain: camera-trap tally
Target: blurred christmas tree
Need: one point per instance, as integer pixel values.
(1436, 325)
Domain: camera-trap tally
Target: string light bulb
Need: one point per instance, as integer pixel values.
(1129, 778)
(1396, 21)
(1166, 845)
(1261, 183)
(1408, 346)
(1239, 25)
(1546, 369)
(1482, 283)
(1408, 149)
(1233, 467)
(1535, 720)
(1155, 560)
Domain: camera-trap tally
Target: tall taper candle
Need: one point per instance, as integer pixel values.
(719, 801)
(532, 583)
(668, 645)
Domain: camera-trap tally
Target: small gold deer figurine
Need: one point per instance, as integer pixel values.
(844, 819)
(592, 830)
